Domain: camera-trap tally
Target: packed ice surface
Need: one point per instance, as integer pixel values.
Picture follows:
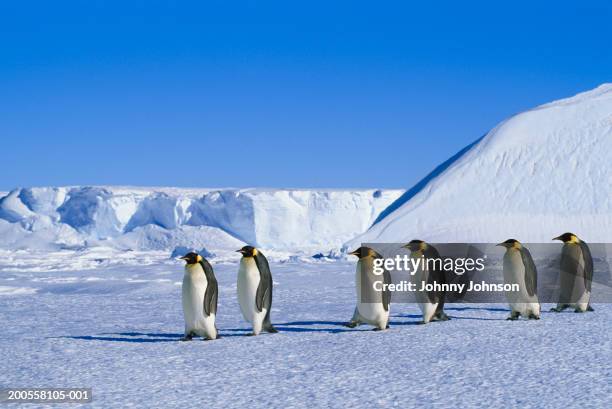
(53, 218)
(116, 329)
(536, 175)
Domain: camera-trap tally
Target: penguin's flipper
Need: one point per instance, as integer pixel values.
(386, 295)
(263, 297)
(212, 289)
(435, 274)
(588, 265)
(210, 298)
(531, 272)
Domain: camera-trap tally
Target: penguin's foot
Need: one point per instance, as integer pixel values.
(187, 338)
(559, 308)
(272, 330)
(251, 334)
(589, 308)
(387, 327)
(578, 310)
(351, 324)
(534, 317)
(378, 329)
(422, 322)
(513, 316)
(441, 316)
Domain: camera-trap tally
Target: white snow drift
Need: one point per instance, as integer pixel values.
(536, 175)
(163, 218)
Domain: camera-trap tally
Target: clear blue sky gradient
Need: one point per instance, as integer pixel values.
(286, 94)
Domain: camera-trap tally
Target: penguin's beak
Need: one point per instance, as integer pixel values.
(354, 253)
(240, 251)
(501, 244)
(558, 238)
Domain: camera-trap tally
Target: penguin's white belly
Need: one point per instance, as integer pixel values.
(248, 281)
(194, 288)
(369, 301)
(428, 310)
(373, 313)
(514, 272)
(583, 301)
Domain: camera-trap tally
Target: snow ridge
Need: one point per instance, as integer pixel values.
(536, 175)
(162, 218)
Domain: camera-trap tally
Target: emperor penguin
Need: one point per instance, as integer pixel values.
(200, 294)
(576, 274)
(372, 305)
(255, 289)
(431, 303)
(520, 269)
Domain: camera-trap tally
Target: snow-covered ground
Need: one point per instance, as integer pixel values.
(115, 328)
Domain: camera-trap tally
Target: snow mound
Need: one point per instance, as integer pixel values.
(164, 218)
(536, 175)
(182, 250)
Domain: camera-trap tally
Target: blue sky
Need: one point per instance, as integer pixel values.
(286, 94)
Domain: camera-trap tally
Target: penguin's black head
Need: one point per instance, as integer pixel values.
(248, 251)
(567, 238)
(192, 258)
(510, 243)
(415, 245)
(364, 251)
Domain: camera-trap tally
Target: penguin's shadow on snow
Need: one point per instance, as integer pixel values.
(302, 326)
(492, 309)
(418, 317)
(149, 334)
(363, 327)
(407, 316)
(119, 339)
(452, 317)
(135, 337)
